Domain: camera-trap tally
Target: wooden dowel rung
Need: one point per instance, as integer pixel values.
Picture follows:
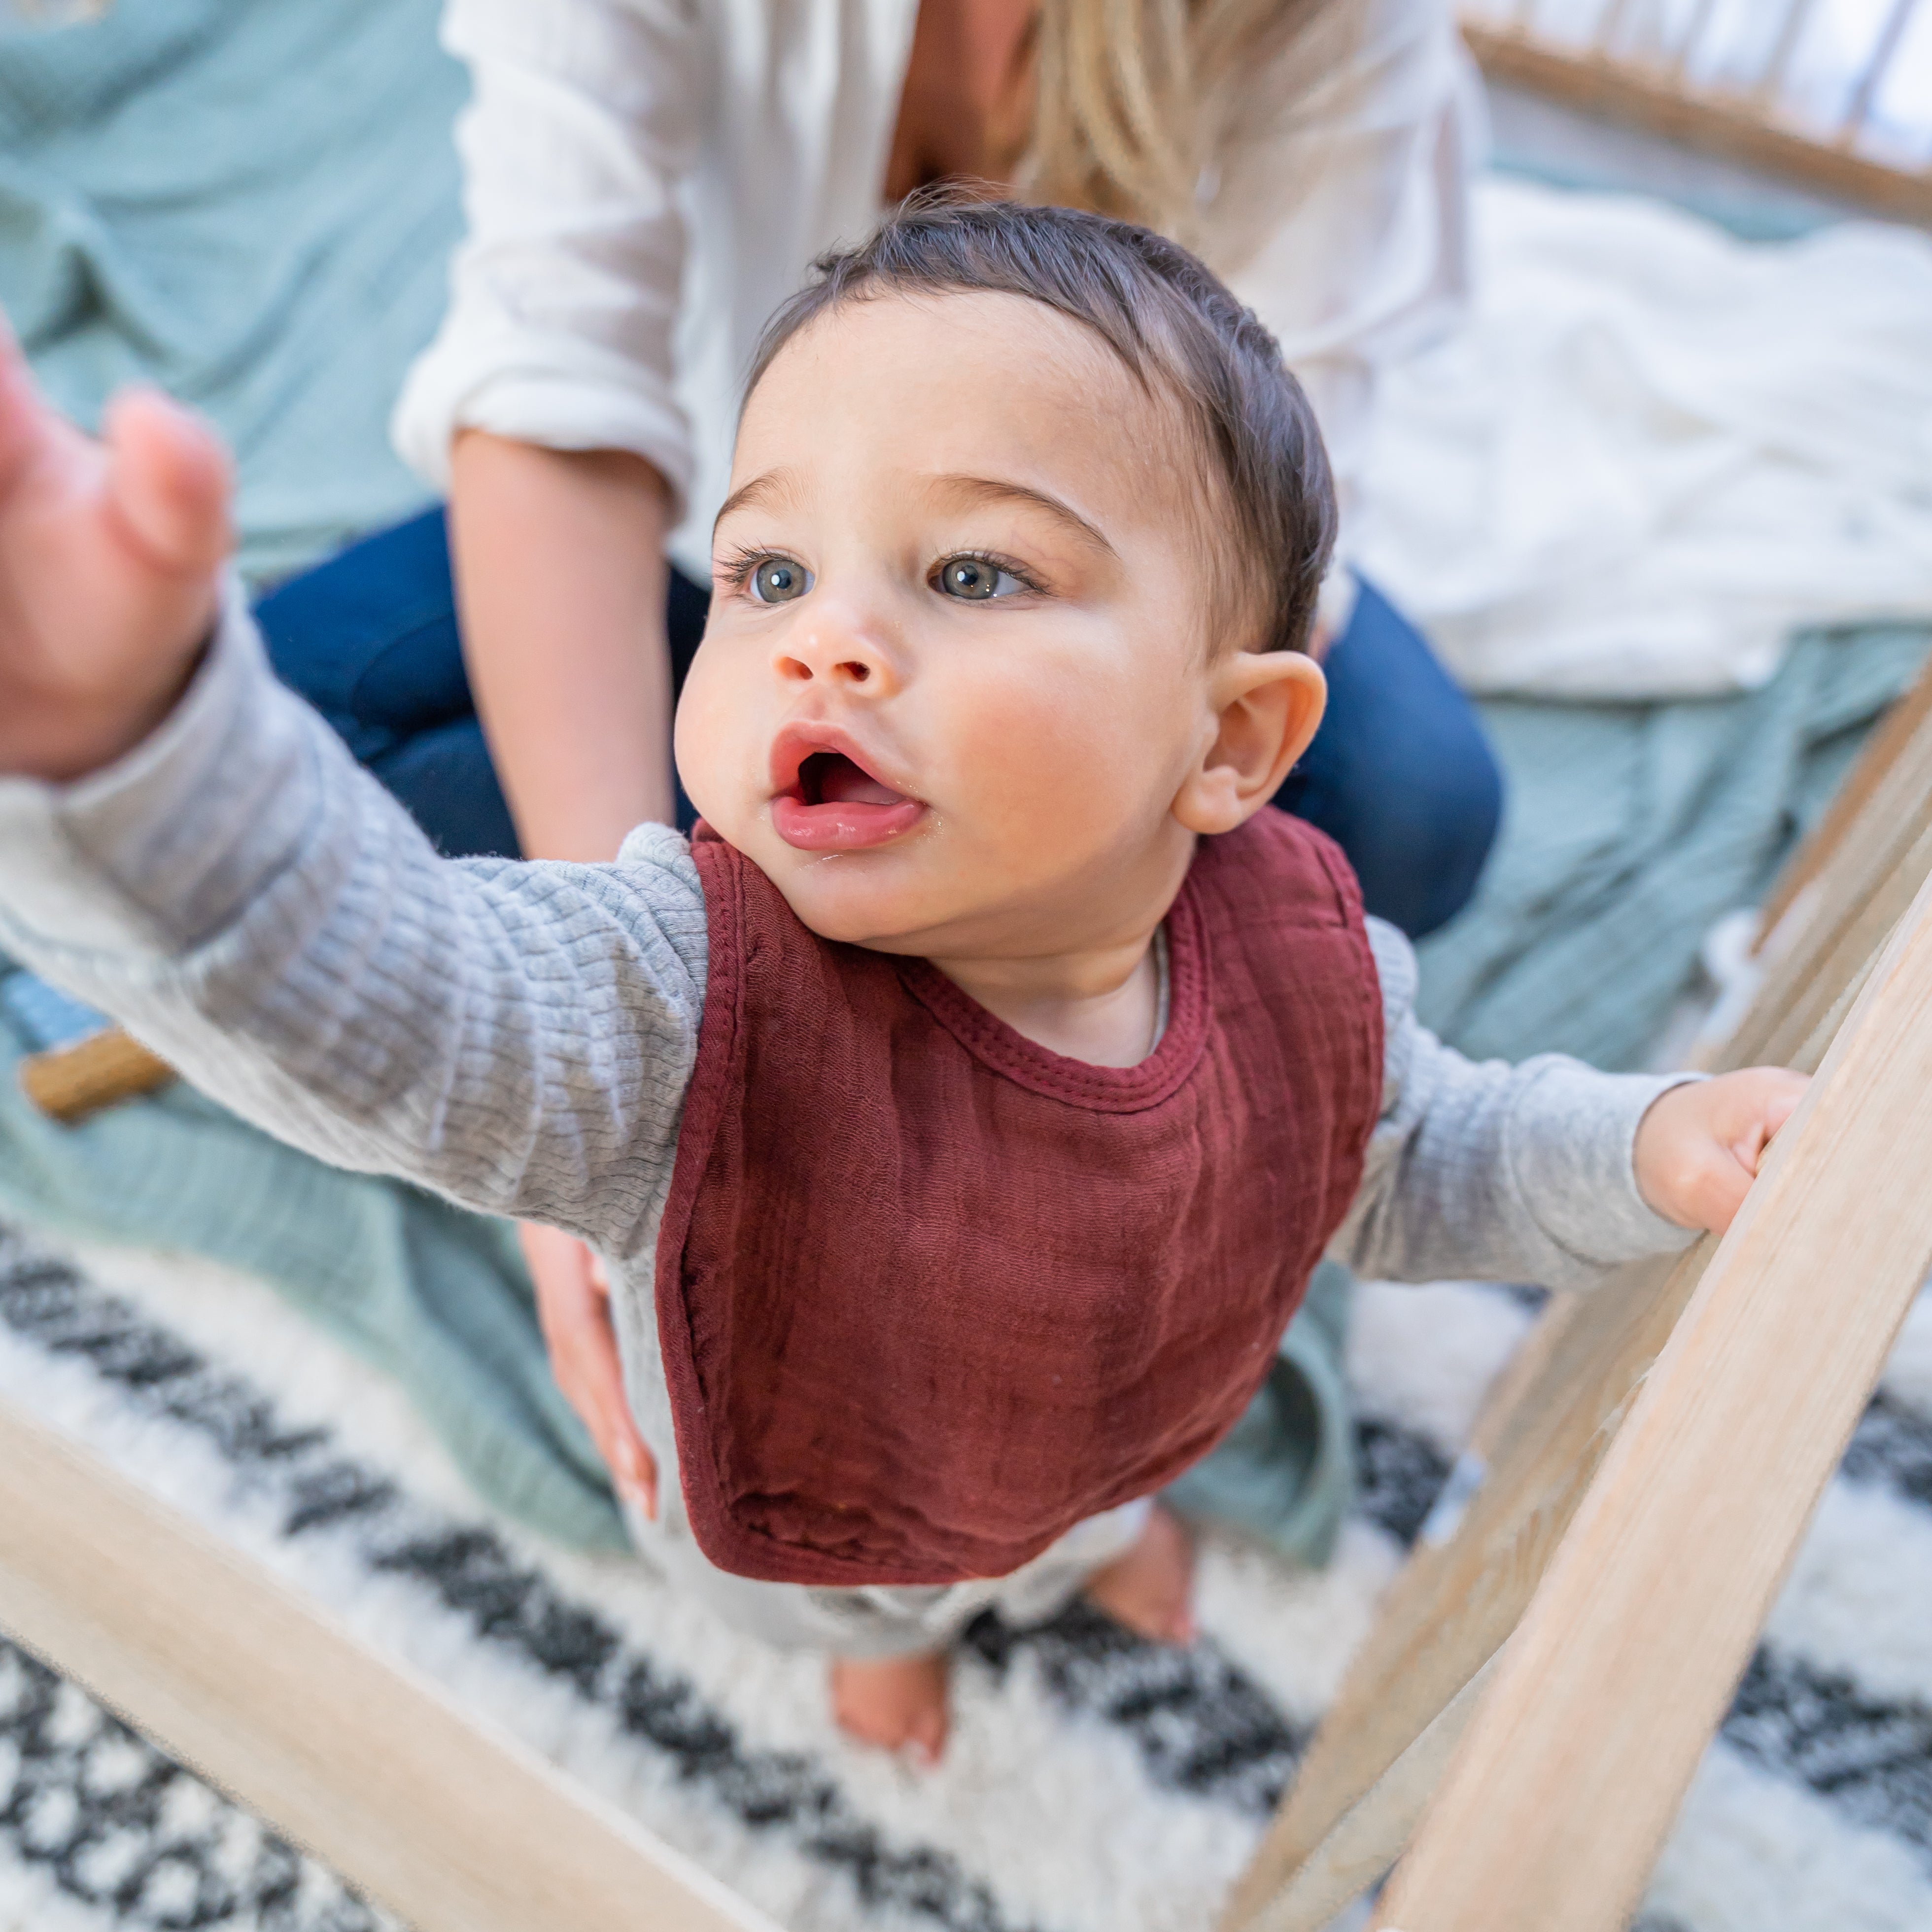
(1770, 79)
(1693, 32)
(1610, 24)
(69, 1083)
(1871, 77)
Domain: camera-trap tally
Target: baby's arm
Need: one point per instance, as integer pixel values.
(1531, 1173)
(228, 883)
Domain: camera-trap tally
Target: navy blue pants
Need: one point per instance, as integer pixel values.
(1399, 775)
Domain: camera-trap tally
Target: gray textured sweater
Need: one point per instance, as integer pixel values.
(520, 1036)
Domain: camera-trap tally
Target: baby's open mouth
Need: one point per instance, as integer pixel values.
(834, 804)
(830, 777)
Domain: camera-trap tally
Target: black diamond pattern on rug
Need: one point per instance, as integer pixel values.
(118, 1825)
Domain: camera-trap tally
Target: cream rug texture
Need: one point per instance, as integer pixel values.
(1094, 1784)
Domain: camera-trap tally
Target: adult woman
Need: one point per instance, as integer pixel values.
(647, 179)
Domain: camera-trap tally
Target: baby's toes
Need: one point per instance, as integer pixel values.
(893, 1703)
(1149, 1590)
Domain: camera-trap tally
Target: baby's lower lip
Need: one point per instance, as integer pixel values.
(849, 827)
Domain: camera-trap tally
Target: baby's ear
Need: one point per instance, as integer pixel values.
(1266, 706)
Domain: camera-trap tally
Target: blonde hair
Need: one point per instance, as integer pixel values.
(1132, 96)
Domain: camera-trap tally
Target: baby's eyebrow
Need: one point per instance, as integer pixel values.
(772, 491)
(1003, 490)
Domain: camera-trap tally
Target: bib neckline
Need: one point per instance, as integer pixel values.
(1004, 1050)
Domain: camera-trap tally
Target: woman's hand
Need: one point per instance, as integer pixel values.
(110, 554)
(574, 1307)
(1699, 1147)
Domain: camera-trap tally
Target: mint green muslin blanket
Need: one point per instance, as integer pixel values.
(251, 203)
(434, 1296)
(1628, 830)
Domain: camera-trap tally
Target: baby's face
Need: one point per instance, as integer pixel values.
(956, 671)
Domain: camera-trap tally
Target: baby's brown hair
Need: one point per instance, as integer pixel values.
(1176, 328)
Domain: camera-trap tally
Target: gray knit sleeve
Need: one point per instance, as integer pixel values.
(1494, 1172)
(258, 910)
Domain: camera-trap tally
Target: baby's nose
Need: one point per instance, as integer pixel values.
(840, 657)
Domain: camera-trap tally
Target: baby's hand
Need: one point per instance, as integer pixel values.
(109, 553)
(1699, 1147)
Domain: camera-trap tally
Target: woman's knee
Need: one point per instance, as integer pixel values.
(1400, 774)
(369, 637)
(445, 779)
(1422, 854)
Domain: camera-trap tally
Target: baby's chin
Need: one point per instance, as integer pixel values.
(925, 895)
(910, 899)
(854, 899)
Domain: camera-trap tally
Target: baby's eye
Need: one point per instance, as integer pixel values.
(976, 578)
(778, 580)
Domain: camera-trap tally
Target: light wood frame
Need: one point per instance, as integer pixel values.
(434, 1812)
(1570, 1513)
(1744, 123)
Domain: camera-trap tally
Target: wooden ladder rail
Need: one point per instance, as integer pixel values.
(1408, 1693)
(446, 1820)
(1558, 1796)
(443, 1818)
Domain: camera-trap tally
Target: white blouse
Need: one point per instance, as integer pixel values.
(646, 180)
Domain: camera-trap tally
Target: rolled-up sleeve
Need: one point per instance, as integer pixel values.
(585, 120)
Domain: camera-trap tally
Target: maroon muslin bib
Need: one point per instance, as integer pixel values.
(929, 1295)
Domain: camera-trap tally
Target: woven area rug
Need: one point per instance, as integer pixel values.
(1094, 1782)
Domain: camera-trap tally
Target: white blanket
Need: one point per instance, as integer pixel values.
(1655, 449)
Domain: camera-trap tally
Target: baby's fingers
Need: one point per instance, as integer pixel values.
(1780, 1103)
(1752, 1106)
(633, 1467)
(23, 413)
(594, 1387)
(168, 483)
(1718, 1190)
(1700, 1146)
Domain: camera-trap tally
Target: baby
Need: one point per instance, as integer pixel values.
(960, 1116)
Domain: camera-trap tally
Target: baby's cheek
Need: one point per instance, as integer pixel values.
(710, 742)
(1025, 763)
(1071, 804)
(692, 752)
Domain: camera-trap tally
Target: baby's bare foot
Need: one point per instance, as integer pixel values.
(893, 1702)
(1150, 1588)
